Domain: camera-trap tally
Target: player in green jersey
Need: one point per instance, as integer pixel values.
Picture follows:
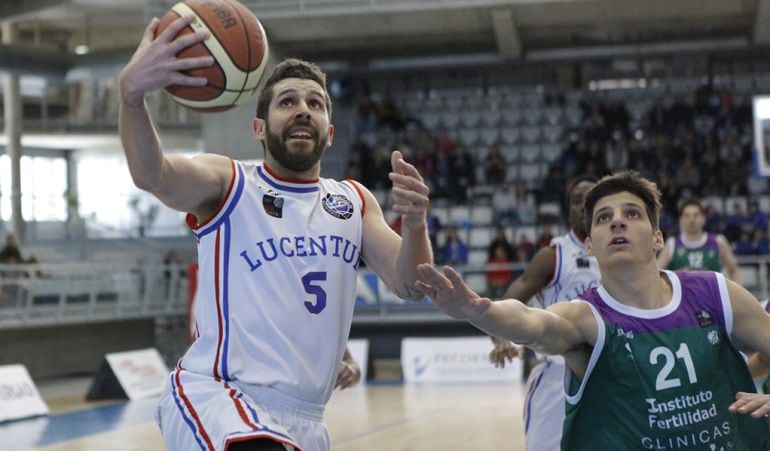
(652, 355)
(696, 249)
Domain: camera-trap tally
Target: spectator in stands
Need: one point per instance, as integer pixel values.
(525, 204)
(735, 222)
(390, 116)
(495, 167)
(525, 249)
(499, 273)
(504, 205)
(743, 245)
(363, 156)
(756, 219)
(434, 227)
(500, 239)
(463, 174)
(11, 253)
(367, 114)
(546, 235)
(715, 223)
(454, 252)
(760, 244)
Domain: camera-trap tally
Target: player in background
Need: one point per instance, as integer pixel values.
(696, 249)
(652, 355)
(278, 250)
(557, 273)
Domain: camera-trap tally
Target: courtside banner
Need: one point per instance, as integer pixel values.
(462, 359)
(19, 397)
(141, 373)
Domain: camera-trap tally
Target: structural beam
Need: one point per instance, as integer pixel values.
(762, 23)
(508, 42)
(10, 9)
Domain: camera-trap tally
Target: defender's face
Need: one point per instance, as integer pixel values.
(692, 220)
(621, 230)
(297, 130)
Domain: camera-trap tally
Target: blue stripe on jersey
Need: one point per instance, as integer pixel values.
(226, 298)
(284, 187)
(531, 394)
(230, 207)
(185, 417)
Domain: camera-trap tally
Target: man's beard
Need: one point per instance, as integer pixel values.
(296, 161)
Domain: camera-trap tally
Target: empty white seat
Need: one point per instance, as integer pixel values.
(529, 153)
(480, 236)
(482, 214)
(530, 134)
(459, 215)
(489, 136)
(512, 117)
(470, 118)
(491, 118)
(552, 133)
(450, 119)
(477, 257)
(510, 135)
(469, 136)
(551, 152)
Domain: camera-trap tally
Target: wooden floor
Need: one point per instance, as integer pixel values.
(374, 417)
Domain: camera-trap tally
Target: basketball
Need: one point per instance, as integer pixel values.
(238, 44)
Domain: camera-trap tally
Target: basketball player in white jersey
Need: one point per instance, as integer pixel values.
(557, 273)
(278, 249)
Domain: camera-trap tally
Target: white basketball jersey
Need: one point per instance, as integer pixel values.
(574, 271)
(277, 282)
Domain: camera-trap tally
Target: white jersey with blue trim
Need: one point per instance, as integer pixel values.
(277, 282)
(574, 271)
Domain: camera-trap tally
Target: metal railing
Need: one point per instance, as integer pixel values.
(47, 294)
(50, 294)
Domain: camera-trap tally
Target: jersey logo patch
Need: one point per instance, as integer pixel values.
(338, 206)
(704, 318)
(582, 262)
(273, 205)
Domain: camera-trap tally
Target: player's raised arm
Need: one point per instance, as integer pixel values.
(180, 183)
(556, 330)
(392, 257)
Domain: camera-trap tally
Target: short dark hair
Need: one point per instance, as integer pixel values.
(572, 184)
(618, 182)
(692, 202)
(291, 68)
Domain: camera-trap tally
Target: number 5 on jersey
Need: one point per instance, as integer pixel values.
(310, 282)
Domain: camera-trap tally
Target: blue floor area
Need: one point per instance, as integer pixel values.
(40, 431)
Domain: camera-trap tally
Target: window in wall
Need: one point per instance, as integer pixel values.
(43, 188)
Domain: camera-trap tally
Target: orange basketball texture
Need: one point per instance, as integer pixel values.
(238, 44)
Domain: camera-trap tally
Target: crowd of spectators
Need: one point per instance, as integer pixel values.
(697, 145)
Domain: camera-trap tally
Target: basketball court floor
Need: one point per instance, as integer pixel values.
(378, 416)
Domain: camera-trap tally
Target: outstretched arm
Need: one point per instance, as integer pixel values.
(392, 257)
(537, 275)
(556, 330)
(180, 183)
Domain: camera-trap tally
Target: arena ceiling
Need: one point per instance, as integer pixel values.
(48, 32)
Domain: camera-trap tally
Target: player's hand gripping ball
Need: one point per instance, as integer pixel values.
(238, 44)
